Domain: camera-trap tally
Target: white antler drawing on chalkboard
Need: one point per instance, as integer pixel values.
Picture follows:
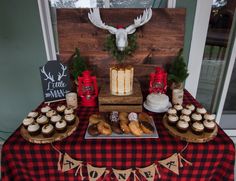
(48, 76)
(60, 75)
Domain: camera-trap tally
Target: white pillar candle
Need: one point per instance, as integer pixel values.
(71, 100)
(177, 96)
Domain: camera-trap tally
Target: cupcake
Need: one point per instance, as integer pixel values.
(186, 112)
(68, 111)
(210, 117)
(191, 107)
(172, 119)
(182, 126)
(27, 121)
(33, 114)
(209, 125)
(45, 109)
(196, 117)
(42, 119)
(61, 109)
(201, 110)
(178, 108)
(33, 129)
(197, 128)
(185, 118)
(54, 119)
(61, 126)
(51, 113)
(47, 130)
(172, 111)
(70, 119)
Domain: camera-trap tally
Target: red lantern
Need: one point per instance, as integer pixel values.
(158, 81)
(88, 89)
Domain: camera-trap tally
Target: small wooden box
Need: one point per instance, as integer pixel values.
(131, 103)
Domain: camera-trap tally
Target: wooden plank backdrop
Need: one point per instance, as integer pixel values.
(158, 41)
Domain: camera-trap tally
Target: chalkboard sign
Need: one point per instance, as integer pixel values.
(55, 80)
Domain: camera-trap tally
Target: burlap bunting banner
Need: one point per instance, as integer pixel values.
(172, 163)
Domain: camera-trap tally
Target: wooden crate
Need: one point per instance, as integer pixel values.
(131, 103)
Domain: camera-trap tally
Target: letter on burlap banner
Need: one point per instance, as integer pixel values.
(171, 163)
(69, 163)
(149, 172)
(122, 175)
(95, 173)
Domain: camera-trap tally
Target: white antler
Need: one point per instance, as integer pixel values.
(49, 76)
(60, 75)
(139, 21)
(95, 18)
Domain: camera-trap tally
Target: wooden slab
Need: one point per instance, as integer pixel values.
(189, 136)
(159, 41)
(120, 108)
(39, 139)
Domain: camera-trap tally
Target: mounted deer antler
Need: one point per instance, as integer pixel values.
(121, 33)
(49, 76)
(60, 75)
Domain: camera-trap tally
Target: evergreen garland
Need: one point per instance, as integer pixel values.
(78, 64)
(178, 70)
(110, 46)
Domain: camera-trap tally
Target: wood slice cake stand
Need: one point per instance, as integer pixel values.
(189, 136)
(39, 139)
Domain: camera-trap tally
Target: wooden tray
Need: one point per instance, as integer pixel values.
(189, 136)
(39, 139)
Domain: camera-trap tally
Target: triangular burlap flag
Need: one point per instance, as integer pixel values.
(171, 163)
(122, 175)
(149, 172)
(69, 163)
(95, 173)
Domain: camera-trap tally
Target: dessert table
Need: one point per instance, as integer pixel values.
(213, 160)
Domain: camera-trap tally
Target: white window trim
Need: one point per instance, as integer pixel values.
(201, 21)
(46, 23)
(171, 4)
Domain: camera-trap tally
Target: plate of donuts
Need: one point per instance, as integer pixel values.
(121, 125)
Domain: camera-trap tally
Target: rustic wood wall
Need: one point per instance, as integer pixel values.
(158, 41)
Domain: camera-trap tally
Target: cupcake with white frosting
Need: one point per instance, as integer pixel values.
(186, 112)
(42, 120)
(201, 110)
(45, 109)
(54, 119)
(191, 107)
(172, 111)
(70, 119)
(196, 117)
(185, 118)
(178, 108)
(61, 126)
(47, 130)
(209, 125)
(182, 126)
(172, 119)
(33, 129)
(68, 111)
(210, 117)
(197, 128)
(61, 109)
(51, 113)
(27, 121)
(33, 114)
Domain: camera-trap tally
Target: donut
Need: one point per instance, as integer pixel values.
(135, 128)
(146, 127)
(124, 127)
(104, 128)
(144, 117)
(95, 118)
(123, 116)
(114, 116)
(93, 130)
(115, 127)
(133, 116)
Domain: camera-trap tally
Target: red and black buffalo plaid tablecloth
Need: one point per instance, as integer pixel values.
(214, 160)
